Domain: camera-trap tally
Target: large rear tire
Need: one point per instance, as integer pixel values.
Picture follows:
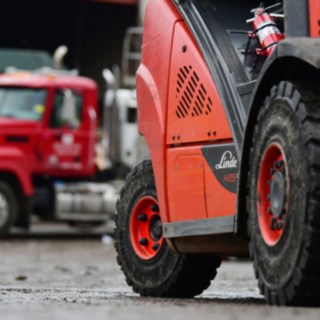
(148, 264)
(8, 208)
(284, 196)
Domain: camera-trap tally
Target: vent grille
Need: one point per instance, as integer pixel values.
(192, 96)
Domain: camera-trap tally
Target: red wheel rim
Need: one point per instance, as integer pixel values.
(272, 194)
(146, 228)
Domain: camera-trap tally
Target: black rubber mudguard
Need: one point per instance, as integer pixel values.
(300, 49)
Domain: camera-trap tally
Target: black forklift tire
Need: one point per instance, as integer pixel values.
(8, 208)
(284, 195)
(164, 273)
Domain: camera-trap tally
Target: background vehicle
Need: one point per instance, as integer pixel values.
(230, 113)
(25, 59)
(48, 145)
(126, 148)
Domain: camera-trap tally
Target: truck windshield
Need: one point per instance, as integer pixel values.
(22, 103)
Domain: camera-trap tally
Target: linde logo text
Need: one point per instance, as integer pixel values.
(228, 161)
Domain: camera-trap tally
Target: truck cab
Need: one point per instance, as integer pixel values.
(48, 126)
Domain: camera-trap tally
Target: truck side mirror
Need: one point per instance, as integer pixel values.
(67, 109)
(69, 112)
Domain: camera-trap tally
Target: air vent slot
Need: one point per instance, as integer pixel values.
(192, 96)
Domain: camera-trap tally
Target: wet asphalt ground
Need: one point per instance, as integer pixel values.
(70, 275)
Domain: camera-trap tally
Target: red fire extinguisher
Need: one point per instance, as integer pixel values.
(265, 30)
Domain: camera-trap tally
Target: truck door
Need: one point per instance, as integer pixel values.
(67, 146)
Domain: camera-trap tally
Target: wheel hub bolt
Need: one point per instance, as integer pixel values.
(155, 246)
(155, 208)
(276, 225)
(280, 225)
(143, 217)
(157, 229)
(143, 241)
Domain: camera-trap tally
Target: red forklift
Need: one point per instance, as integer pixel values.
(229, 104)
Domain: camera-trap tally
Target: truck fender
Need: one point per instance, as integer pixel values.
(295, 59)
(14, 161)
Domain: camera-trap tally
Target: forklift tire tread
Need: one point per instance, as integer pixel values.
(288, 271)
(9, 203)
(167, 274)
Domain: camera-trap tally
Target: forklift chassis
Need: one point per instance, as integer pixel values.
(234, 140)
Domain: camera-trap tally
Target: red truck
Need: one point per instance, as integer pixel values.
(48, 124)
(229, 104)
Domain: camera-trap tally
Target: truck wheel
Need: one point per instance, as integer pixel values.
(284, 196)
(8, 208)
(143, 254)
